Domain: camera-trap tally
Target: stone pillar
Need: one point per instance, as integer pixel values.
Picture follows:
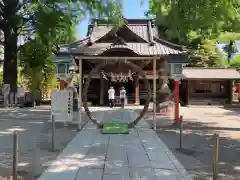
(137, 95)
(101, 90)
(163, 90)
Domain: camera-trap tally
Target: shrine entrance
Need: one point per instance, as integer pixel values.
(135, 45)
(118, 78)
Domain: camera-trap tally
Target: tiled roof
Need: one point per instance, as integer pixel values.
(138, 48)
(99, 31)
(62, 59)
(140, 30)
(138, 26)
(210, 73)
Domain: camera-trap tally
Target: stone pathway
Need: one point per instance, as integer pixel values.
(140, 155)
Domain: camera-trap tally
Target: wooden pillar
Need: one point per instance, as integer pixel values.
(137, 96)
(186, 82)
(80, 94)
(154, 94)
(230, 86)
(101, 90)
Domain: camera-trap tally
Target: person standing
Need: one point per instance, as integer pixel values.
(111, 96)
(21, 95)
(123, 93)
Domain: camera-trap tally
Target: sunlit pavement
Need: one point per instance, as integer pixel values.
(135, 156)
(34, 140)
(38, 113)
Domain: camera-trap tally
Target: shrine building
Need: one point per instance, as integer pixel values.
(137, 41)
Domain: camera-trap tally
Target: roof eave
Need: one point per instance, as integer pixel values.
(172, 45)
(75, 42)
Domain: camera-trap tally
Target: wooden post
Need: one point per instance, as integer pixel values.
(215, 155)
(181, 132)
(161, 73)
(15, 155)
(154, 94)
(101, 89)
(53, 133)
(176, 95)
(80, 94)
(137, 89)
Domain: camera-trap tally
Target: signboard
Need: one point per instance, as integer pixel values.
(62, 105)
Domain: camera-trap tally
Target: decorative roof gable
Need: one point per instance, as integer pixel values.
(144, 40)
(124, 33)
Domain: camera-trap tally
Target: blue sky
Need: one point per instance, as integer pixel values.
(131, 9)
(222, 45)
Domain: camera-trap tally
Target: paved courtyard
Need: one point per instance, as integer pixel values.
(140, 155)
(34, 141)
(200, 123)
(92, 155)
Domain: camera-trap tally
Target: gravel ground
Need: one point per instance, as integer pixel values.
(34, 141)
(200, 123)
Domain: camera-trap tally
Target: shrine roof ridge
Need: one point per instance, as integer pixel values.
(143, 29)
(138, 21)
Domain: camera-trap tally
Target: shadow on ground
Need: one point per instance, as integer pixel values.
(35, 140)
(197, 143)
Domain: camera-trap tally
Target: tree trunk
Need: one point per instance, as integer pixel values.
(10, 44)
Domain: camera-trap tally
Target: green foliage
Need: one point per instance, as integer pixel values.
(226, 37)
(207, 55)
(37, 68)
(235, 63)
(206, 18)
(51, 21)
(198, 25)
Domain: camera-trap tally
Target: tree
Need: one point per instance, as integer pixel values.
(226, 37)
(207, 55)
(47, 18)
(230, 49)
(235, 63)
(36, 62)
(197, 25)
(180, 19)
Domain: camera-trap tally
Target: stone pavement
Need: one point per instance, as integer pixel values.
(140, 155)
